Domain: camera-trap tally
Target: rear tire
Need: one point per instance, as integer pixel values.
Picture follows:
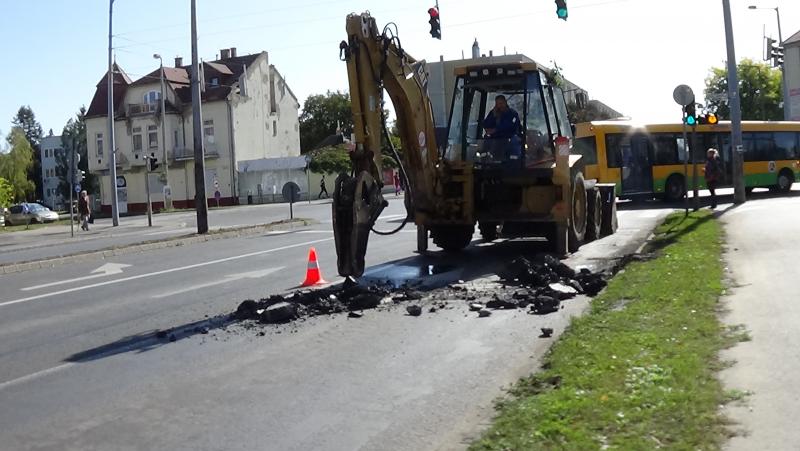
(594, 210)
(674, 188)
(452, 238)
(785, 180)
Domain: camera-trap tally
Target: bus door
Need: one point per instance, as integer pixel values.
(637, 166)
(721, 142)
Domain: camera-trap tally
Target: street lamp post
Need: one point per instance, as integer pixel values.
(167, 199)
(784, 85)
(737, 150)
(112, 160)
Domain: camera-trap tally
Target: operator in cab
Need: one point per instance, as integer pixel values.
(503, 125)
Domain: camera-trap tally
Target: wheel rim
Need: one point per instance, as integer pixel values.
(674, 189)
(783, 182)
(579, 210)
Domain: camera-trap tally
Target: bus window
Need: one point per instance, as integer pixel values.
(588, 148)
(614, 149)
(681, 145)
(759, 146)
(785, 145)
(665, 148)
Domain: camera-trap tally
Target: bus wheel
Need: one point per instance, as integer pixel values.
(594, 208)
(488, 230)
(674, 188)
(785, 180)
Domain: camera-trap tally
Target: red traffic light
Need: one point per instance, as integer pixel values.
(433, 12)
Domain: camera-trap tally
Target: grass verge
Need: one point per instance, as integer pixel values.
(22, 227)
(638, 371)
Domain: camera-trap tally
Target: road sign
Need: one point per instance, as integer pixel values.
(683, 95)
(77, 188)
(291, 192)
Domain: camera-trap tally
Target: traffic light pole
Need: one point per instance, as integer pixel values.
(685, 168)
(147, 189)
(200, 203)
(737, 150)
(695, 194)
(71, 178)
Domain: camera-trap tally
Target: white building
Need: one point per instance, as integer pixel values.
(791, 58)
(249, 113)
(50, 147)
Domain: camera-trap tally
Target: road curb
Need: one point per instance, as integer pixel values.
(135, 248)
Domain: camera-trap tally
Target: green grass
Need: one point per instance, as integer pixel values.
(17, 228)
(637, 378)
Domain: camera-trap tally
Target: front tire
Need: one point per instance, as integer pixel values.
(785, 180)
(674, 189)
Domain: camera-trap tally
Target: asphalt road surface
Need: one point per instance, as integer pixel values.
(80, 367)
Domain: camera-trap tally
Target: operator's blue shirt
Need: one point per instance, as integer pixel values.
(506, 126)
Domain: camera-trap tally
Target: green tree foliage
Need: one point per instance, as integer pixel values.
(15, 165)
(336, 160)
(73, 138)
(26, 120)
(6, 193)
(759, 91)
(322, 113)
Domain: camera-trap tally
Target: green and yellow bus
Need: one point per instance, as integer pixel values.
(647, 160)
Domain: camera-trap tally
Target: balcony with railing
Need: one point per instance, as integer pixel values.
(138, 109)
(185, 153)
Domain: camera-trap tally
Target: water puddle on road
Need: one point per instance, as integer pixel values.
(423, 274)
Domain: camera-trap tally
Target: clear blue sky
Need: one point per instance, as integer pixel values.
(627, 53)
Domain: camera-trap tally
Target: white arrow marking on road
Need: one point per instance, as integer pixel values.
(226, 279)
(109, 269)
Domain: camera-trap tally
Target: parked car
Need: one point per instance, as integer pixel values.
(26, 213)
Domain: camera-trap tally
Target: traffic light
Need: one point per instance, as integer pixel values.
(561, 9)
(436, 25)
(152, 161)
(689, 114)
(776, 53)
(708, 118)
(79, 176)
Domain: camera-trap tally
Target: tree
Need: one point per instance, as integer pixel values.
(321, 115)
(591, 111)
(15, 165)
(759, 91)
(75, 132)
(26, 120)
(6, 193)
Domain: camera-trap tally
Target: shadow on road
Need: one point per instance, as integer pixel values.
(153, 339)
(705, 201)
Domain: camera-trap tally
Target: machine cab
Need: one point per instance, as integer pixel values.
(516, 135)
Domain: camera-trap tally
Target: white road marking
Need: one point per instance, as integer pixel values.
(226, 279)
(158, 273)
(390, 217)
(109, 269)
(36, 375)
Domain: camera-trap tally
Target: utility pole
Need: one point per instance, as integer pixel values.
(112, 148)
(70, 179)
(200, 203)
(147, 190)
(695, 194)
(784, 82)
(167, 199)
(737, 150)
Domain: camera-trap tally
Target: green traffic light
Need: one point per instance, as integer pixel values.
(562, 12)
(690, 120)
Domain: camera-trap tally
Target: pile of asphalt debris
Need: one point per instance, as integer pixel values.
(538, 284)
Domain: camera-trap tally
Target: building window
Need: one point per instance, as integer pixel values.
(274, 128)
(152, 97)
(215, 81)
(152, 136)
(175, 139)
(137, 139)
(99, 140)
(208, 130)
(273, 104)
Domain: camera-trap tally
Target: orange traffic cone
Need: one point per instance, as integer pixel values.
(313, 274)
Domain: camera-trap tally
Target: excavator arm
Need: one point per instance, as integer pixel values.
(376, 62)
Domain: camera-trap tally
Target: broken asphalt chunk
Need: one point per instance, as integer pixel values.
(484, 313)
(546, 332)
(543, 305)
(476, 306)
(355, 314)
(281, 312)
(414, 310)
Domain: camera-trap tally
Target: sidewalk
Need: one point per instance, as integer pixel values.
(763, 245)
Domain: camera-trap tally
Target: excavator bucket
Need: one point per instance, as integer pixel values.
(357, 203)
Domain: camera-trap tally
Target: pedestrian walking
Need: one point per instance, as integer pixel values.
(397, 188)
(322, 189)
(713, 173)
(83, 210)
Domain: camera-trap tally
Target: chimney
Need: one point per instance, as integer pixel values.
(233, 52)
(178, 61)
(476, 50)
(225, 54)
(491, 53)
